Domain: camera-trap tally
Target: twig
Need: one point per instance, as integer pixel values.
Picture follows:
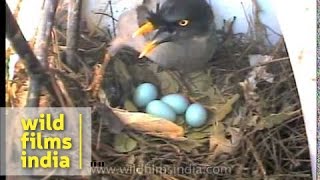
(55, 48)
(98, 76)
(59, 93)
(60, 33)
(273, 31)
(98, 23)
(44, 32)
(257, 158)
(105, 14)
(74, 13)
(99, 135)
(250, 27)
(68, 100)
(278, 46)
(96, 157)
(41, 50)
(263, 64)
(259, 26)
(113, 22)
(245, 51)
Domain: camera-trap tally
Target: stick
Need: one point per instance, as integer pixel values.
(41, 50)
(74, 13)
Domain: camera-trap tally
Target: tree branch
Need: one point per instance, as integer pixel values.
(35, 71)
(74, 13)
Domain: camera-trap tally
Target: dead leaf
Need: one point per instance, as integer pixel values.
(220, 144)
(251, 97)
(259, 72)
(256, 59)
(235, 121)
(253, 120)
(151, 125)
(249, 85)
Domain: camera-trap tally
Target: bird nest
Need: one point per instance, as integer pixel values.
(255, 127)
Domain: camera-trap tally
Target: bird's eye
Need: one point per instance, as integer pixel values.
(183, 22)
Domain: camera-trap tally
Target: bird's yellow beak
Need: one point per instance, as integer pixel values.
(148, 48)
(145, 29)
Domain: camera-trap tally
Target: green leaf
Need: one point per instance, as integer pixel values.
(123, 143)
(224, 109)
(128, 105)
(275, 119)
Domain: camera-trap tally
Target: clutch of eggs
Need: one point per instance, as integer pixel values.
(169, 106)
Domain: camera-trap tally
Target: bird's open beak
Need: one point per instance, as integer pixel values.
(158, 38)
(148, 48)
(144, 29)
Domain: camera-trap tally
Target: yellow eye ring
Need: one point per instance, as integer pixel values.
(183, 22)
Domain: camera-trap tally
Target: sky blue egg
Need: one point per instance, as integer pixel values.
(177, 102)
(144, 94)
(196, 115)
(161, 109)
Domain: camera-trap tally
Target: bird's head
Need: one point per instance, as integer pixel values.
(176, 20)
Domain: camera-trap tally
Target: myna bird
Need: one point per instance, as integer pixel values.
(176, 34)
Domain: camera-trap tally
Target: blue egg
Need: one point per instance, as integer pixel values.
(161, 109)
(177, 102)
(196, 115)
(144, 94)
